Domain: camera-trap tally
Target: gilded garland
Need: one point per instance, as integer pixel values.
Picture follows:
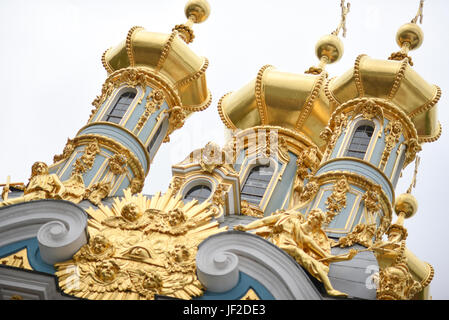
(140, 248)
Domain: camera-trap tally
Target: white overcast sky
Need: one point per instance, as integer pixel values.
(51, 71)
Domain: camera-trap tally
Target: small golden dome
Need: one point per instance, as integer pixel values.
(411, 33)
(199, 9)
(330, 46)
(407, 204)
(168, 56)
(292, 101)
(396, 82)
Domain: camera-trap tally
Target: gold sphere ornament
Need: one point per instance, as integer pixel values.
(198, 9)
(329, 46)
(410, 33)
(406, 204)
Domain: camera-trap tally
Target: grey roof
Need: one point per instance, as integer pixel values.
(354, 277)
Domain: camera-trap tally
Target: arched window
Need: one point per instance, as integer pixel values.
(116, 113)
(200, 193)
(360, 141)
(256, 184)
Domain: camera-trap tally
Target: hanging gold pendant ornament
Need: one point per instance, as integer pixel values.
(140, 248)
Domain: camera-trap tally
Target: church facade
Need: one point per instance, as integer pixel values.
(298, 204)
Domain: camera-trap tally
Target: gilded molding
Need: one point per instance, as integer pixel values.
(358, 76)
(357, 180)
(129, 48)
(200, 107)
(399, 77)
(185, 32)
(307, 107)
(105, 64)
(381, 173)
(432, 138)
(330, 96)
(428, 105)
(224, 117)
(399, 56)
(194, 76)
(115, 146)
(166, 50)
(260, 101)
(296, 141)
(389, 110)
(147, 155)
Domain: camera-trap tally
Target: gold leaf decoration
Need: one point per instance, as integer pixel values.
(140, 248)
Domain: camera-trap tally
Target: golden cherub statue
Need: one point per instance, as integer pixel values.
(304, 240)
(42, 185)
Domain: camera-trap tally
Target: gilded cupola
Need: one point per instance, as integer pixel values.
(169, 57)
(395, 81)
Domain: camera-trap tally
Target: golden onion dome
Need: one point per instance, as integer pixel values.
(393, 80)
(276, 98)
(168, 56)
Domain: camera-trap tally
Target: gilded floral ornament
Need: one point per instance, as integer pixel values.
(369, 109)
(337, 200)
(393, 132)
(86, 161)
(140, 248)
(306, 165)
(117, 164)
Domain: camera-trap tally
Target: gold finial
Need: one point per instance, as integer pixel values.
(196, 11)
(409, 37)
(344, 12)
(329, 49)
(415, 173)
